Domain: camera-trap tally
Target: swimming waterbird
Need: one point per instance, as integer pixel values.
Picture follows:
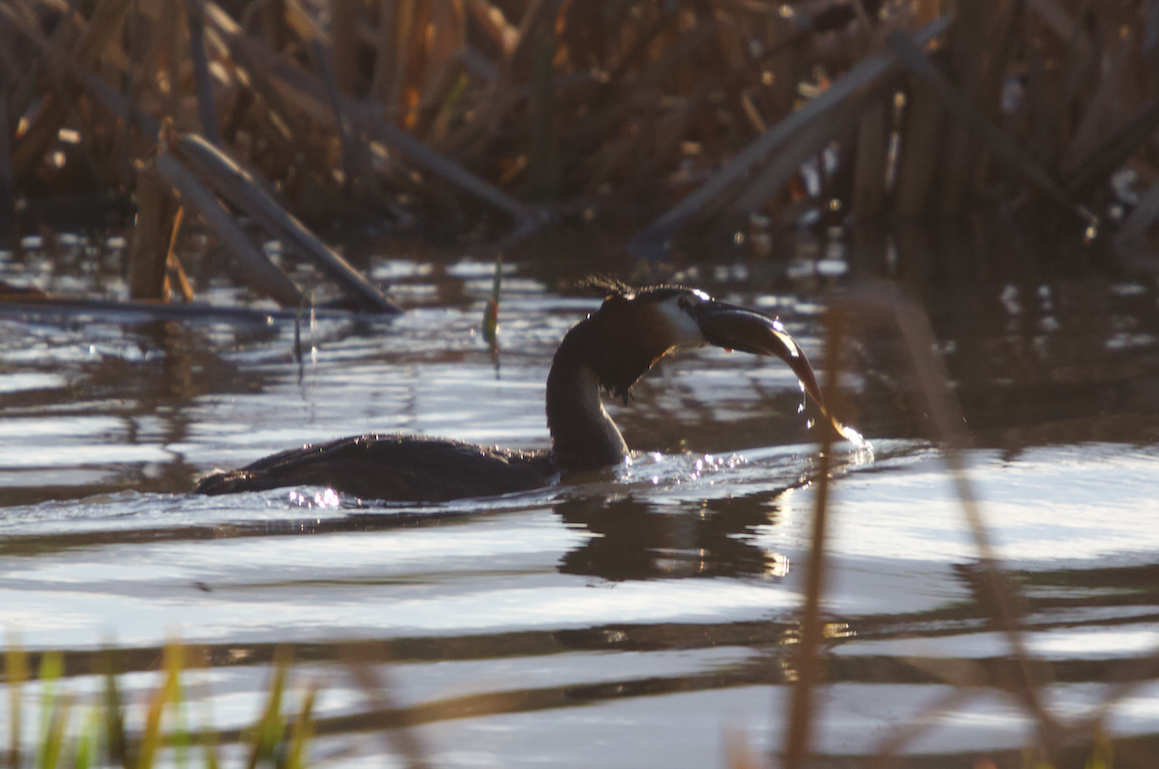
(609, 350)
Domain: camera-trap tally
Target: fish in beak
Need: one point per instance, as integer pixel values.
(737, 328)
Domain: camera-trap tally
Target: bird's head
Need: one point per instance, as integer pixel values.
(635, 328)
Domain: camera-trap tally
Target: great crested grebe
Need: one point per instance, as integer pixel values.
(610, 349)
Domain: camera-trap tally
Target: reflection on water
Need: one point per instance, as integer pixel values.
(634, 615)
(638, 540)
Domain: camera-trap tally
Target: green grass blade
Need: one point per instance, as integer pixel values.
(152, 738)
(303, 730)
(209, 745)
(53, 746)
(113, 714)
(491, 312)
(88, 741)
(51, 666)
(16, 673)
(269, 729)
(207, 737)
(175, 661)
(1103, 755)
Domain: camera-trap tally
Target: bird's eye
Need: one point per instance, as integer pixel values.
(682, 303)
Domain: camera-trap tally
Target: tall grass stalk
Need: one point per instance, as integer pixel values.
(268, 732)
(53, 712)
(152, 738)
(16, 673)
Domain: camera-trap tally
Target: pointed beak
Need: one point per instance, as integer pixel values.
(737, 328)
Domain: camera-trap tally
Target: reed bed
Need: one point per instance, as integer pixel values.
(665, 120)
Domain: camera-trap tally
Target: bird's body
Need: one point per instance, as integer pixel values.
(410, 468)
(610, 350)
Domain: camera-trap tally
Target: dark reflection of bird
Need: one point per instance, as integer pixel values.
(610, 349)
(642, 540)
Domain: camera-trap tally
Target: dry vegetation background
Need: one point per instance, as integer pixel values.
(488, 119)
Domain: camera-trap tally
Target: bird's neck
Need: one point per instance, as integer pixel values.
(583, 436)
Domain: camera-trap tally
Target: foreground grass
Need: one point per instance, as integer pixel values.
(103, 731)
(72, 734)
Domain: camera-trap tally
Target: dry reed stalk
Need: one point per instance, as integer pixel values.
(304, 26)
(274, 27)
(491, 19)
(644, 90)
(175, 273)
(8, 230)
(361, 660)
(163, 57)
(147, 255)
(676, 124)
(477, 136)
(1041, 142)
(115, 311)
(968, 55)
(1115, 150)
(599, 167)
(869, 190)
(998, 142)
(544, 163)
(995, 593)
(422, 65)
(650, 242)
(15, 675)
(806, 662)
(418, 152)
(1077, 67)
(1101, 107)
(253, 57)
(343, 50)
(260, 274)
(1132, 235)
(443, 102)
(13, 67)
(905, 734)
(352, 167)
(93, 84)
(989, 82)
(100, 32)
(416, 66)
(383, 47)
(403, 28)
(449, 23)
(921, 148)
(307, 91)
(239, 187)
(203, 84)
(441, 67)
(840, 119)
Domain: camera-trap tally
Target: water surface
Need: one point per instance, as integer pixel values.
(643, 616)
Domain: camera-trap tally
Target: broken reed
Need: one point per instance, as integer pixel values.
(376, 105)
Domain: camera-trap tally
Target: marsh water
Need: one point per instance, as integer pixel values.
(644, 616)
